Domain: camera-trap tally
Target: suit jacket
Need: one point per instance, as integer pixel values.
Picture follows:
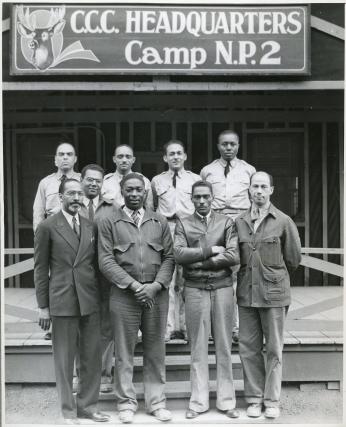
(64, 270)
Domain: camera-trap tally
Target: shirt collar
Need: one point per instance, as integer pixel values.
(207, 217)
(95, 201)
(179, 172)
(232, 162)
(259, 212)
(69, 217)
(119, 175)
(68, 175)
(129, 211)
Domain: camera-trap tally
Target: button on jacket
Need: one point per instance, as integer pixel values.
(128, 252)
(267, 257)
(193, 242)
(232, 191)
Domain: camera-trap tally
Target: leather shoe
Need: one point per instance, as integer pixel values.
(71, 421)
(233, 413)
(272, 412)
(162, 414)
(126, 416)
(98, 417)
(190, 414)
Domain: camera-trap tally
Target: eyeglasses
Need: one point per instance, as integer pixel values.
(91, 180)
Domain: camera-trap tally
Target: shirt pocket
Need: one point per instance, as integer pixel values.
(219, 186)
(270, 251)
(162, 189)
(274, 286)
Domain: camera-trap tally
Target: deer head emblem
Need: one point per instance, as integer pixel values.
(38, 35)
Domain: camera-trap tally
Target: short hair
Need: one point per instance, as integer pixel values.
(171, 142)
(132, 175)
(202, 183)
(64, 182)
(271, 181)
(64, 140)
(123, 145)
(226, 132)
(93, 167)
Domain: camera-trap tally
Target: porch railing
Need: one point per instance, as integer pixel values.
(307, 261)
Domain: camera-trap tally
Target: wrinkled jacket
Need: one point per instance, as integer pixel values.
(127, 253)
(193, 242)
(267, 259)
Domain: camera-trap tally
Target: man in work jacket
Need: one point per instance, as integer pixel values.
(270, 251)
(136, 256)
(206, 245)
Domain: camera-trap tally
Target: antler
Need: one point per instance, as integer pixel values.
(56, 15)
(24, 18)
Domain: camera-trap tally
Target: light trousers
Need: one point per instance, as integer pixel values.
(262, 379)
(210, 311)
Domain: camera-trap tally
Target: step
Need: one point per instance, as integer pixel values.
(178, 390)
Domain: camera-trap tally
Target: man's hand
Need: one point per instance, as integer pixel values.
(44, 318)
(217, 250)
(147, 291)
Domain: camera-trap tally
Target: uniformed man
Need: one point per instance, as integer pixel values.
(270, 251)
(172, 198)
(230, 178)
(94, 207)
(123, 159)
(47, 200)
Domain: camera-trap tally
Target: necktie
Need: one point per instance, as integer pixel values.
(135, 217)
(227, 167)
(91, 210)
(204, 220)
(255, 214)
(75, 227)
(174, 180)
(63, 177)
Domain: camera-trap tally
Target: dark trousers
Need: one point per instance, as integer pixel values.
(127, 318)
(262, 380)
(66, 331)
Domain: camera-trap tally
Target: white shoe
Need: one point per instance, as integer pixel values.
(254, 410)
(272, 412)
(126, 416)
(162, 414)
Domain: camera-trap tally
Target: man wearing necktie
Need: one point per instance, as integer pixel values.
(94, 207)
(68, 297)
(136, 256)
(230, 178)
(47, 200)
(270, 251)
(172, 198)
(205, 245)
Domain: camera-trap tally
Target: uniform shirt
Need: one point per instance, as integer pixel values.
(232, 191)
(169, 200)
(47, 200)
(111, 189)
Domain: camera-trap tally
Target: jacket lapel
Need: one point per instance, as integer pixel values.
(64, 229)
(247, 219)
(86, 237)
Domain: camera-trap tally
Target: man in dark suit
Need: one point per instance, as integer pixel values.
(68, 296)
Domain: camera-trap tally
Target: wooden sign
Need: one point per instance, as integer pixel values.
(112, 39)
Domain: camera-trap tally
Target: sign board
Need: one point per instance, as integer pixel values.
(112, 39)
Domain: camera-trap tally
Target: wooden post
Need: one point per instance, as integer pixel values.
(306, 199)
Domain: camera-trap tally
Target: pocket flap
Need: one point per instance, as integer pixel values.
(156, 246)
(123, 247)
(273, 277)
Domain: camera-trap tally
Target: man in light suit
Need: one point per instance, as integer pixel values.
(68, 296)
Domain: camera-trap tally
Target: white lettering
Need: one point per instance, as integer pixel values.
(221, 51)
(104, 19)
(73, 21)
(247, 49)
(264, 19)
(133, 21)
(128, 52)
(297, 24)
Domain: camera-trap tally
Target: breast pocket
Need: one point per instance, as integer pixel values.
(161, 190)
(270, 251)
(122, 253)
(219, 186)
(156, 250)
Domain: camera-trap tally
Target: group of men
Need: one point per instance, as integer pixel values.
(118, 255)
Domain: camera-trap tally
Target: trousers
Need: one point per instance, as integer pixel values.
(67, 331)
(127, 317)
(210, 311)
(262, 379)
